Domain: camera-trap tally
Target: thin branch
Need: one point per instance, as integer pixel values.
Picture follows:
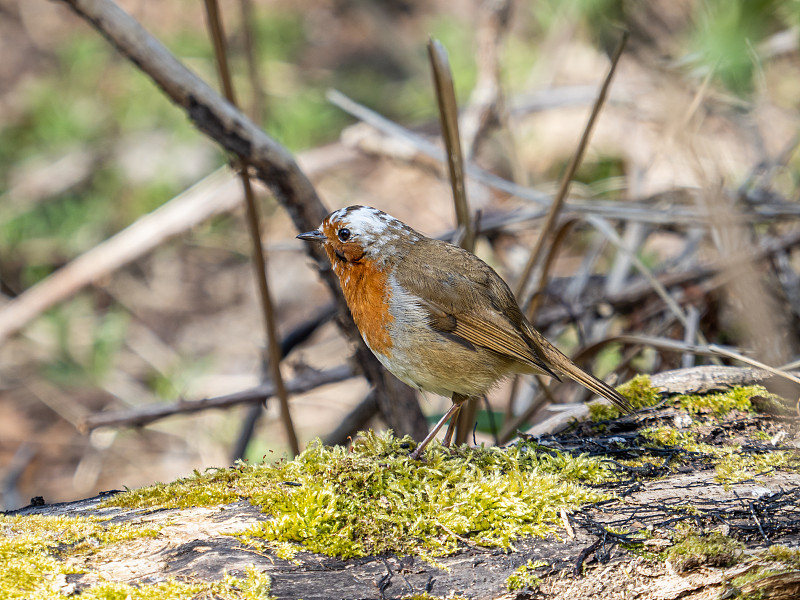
(291, 340)
(626, 211)
(569, 174)
(552, 252)
(752, 362)
(448, 116)
(259, 262)
(149, 414)
(218, 193)
(258, 103)
(659, 343)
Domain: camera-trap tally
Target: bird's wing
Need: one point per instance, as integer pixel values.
(465, 298)
(477, 331)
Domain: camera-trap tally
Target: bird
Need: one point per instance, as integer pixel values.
(435, 315)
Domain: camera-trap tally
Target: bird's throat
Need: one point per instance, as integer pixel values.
(367, 294)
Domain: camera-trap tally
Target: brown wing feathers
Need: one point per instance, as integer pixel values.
(468, 301)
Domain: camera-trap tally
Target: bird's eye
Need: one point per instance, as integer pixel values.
(344, 234)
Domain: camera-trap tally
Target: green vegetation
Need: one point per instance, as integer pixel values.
(721, 37)
(775, 560)
(726, 34)
(33, 549)
(30, 548)
(788, 556)
(731, 463)
(373, 499)
(722, 403)
(256, 586)
(735, 466)
(638, 391)
(693, 550)
(525, 577)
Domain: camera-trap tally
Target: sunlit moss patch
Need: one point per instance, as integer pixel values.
(372, 498)
(735, 466)
(525, 577)
(723, 402)
(693, 550)
(375, 500)
(638, 391)
(31, 547)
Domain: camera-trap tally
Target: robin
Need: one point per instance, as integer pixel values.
(436, 316)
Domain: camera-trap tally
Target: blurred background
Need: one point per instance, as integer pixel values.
(694, 151)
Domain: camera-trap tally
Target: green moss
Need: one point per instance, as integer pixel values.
(775, 560)
(731, 464)
(751, 585)
(735, 466)
(641, 394)
(524, 577)
(256, 586)
(722, 403)
(373, 499)
(638, 391)
(669, 436)
(30, 547)
(788, 556)
(693, 550)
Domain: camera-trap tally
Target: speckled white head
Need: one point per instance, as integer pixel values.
(372, 230)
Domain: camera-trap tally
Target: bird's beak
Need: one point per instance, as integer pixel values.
(312, 236)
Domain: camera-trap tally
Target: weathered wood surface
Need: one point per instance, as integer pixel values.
(198, 543)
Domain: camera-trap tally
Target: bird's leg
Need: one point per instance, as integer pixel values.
(451, 414)
(458, 400)
(418, 450)
(451, 427)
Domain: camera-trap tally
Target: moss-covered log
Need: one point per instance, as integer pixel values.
(694, 496)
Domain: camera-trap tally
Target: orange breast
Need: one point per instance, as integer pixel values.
(367, 294)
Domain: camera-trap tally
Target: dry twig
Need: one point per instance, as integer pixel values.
(139, 417)
(254, 228)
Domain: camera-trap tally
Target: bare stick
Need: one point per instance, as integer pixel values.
(143, 416)
(753, 362)
(558, 201)
(626, 211)
(260, 264)
(258, 102)
(217, 193)
(448, 115)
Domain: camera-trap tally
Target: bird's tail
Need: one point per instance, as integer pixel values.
(554, 357)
